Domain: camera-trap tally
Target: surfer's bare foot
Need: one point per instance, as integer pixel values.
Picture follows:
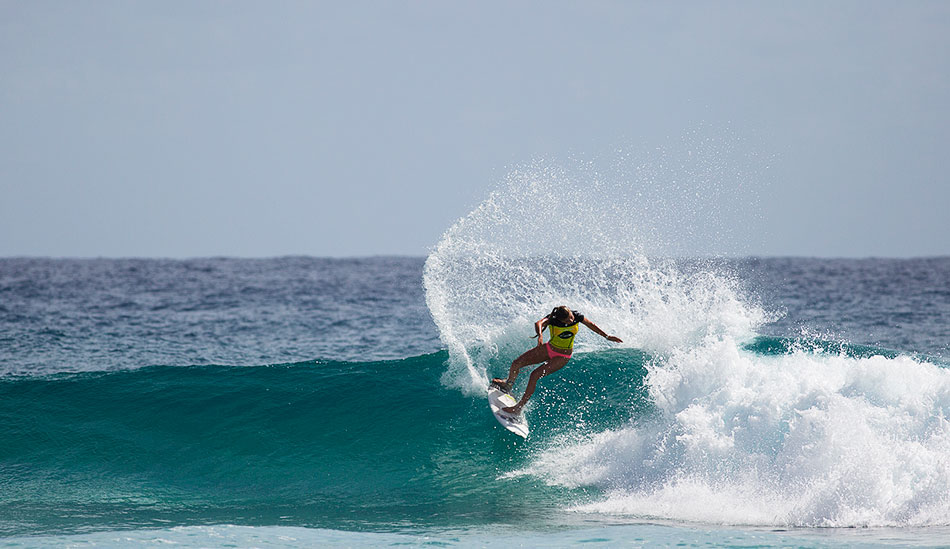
(511, 410)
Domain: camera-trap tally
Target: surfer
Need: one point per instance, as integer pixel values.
(563, 324)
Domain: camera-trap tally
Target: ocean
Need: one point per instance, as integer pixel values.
(304, 401)
(297, 402)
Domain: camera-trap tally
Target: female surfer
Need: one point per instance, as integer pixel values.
(563, 324)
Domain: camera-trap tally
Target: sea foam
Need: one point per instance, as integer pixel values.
(804, 438)
(796, 440)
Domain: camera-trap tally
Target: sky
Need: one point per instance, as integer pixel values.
(354, 128)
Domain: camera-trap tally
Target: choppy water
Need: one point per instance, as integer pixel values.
(74, 315)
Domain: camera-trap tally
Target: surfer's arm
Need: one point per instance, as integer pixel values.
(600, 332)
(539, 329)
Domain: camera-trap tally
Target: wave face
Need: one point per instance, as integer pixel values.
(327, 444)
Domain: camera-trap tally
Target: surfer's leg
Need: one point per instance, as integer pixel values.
(554, 364)
(531, 356)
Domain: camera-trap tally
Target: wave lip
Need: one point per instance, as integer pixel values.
(513, 258)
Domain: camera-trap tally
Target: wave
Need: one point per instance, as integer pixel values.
(326, 444)
(801, 438)
(519, 254)
(731, 426)
(722, 433)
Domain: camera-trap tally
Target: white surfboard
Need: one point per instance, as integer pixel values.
(516, 423)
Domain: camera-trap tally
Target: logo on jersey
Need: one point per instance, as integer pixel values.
(566, 335)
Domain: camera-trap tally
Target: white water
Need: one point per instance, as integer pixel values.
(551, 236)
(803, 439)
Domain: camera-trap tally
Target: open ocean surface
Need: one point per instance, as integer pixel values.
(301, 402)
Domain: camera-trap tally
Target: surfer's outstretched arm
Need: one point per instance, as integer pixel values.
(602, 333)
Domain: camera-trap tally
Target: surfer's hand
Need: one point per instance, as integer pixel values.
(540, 341)
(615, 339)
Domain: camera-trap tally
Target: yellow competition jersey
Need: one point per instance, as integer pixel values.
(562, 337)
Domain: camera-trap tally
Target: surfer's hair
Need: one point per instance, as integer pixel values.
(560, 313)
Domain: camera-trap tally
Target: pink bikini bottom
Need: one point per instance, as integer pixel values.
(552, 353)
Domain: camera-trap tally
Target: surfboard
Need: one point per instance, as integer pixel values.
(498, 399)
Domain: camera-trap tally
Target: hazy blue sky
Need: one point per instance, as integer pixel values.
(180, 128)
